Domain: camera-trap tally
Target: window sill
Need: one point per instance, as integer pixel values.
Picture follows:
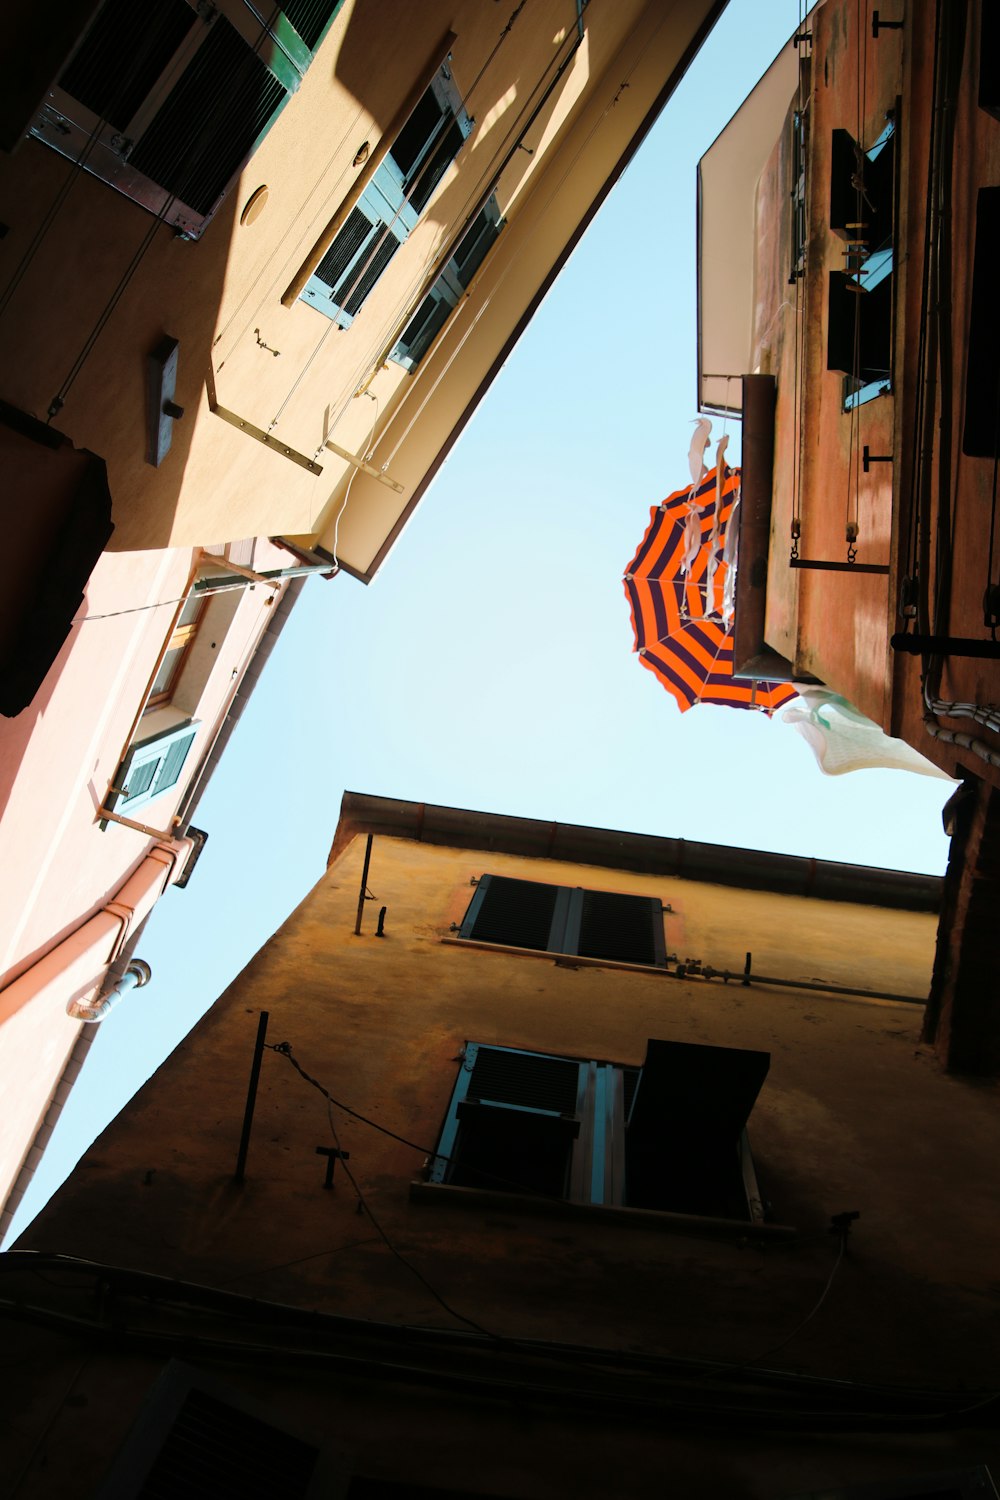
(485, 1200)
(564, 960)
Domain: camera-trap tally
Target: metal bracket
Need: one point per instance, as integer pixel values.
(879, 25)
(332, 1157)
(366, 468)
(258, 433)
(868, 458)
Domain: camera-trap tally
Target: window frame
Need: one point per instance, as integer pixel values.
(386, 203)
(67, 125)
(181, 640)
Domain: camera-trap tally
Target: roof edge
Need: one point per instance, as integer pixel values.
(643, 853)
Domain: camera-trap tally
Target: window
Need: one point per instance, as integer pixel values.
(862, 203)
(564, 919)
(180, 644)
(669, 1136)
(150, 767)
(449, 288)
(167, 100)
(391, 204)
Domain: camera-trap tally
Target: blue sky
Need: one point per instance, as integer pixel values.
(490, 664)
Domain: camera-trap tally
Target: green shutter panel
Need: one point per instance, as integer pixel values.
(435, 310)
(151, 767)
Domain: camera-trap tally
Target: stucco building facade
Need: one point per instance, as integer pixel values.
(521, 1190)
(853, 198)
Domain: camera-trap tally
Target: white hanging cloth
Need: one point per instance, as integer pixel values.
(842, 739)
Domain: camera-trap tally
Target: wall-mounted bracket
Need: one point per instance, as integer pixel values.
(868, 458)
(366, 468)
(258, 433)
(879, 25)
(162, 410)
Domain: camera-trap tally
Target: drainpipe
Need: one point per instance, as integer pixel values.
(136, 975)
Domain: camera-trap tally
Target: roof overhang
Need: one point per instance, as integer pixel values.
(644, 853)
(728, 174)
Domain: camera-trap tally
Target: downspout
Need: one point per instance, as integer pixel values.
(136, 975)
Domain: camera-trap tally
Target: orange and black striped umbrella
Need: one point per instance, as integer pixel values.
(677, 614)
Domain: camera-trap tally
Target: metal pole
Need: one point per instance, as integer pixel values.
(364, 885)
(838, 567)
(944, 645)
(258, 1053)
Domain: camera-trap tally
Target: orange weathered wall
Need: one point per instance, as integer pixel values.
(854, 1115)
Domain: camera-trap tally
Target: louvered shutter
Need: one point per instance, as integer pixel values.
(435, 309)
(517, 913)
(623, 929)
(167, 100)
(563, 919)
(151, 767)
(194, 1442)
(350, 269)
(390, 207)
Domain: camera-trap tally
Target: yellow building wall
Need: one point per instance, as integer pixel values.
(854, 1115)
(288, 370)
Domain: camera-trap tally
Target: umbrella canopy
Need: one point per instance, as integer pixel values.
(676, 586)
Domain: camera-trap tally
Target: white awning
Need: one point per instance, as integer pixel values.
(728, 174)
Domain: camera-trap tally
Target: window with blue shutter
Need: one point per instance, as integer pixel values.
(567, 920)
(166, 101)
(149, 768)
(862, 212)
(392, 203)
(449, 288)
(669, 1136)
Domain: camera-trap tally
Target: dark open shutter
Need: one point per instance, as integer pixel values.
(689, 1112)
(517, 1123)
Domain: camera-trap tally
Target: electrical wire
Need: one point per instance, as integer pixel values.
(285, 1050)
(403, 1260)
(138, 609)
(776, 1348)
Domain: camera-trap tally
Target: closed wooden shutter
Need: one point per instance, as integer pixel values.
(564, 919)
(626, 929)
(517, 913)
